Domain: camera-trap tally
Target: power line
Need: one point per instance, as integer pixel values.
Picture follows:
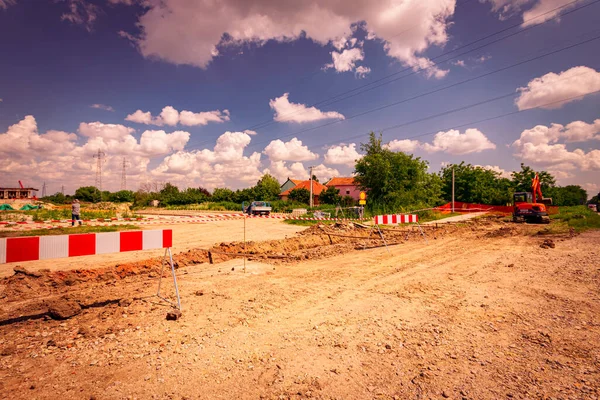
(341, 96)
(336, 98)
(471, 123)
(433, 91)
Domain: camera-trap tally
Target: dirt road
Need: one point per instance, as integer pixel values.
(479, 313)
(185, 237)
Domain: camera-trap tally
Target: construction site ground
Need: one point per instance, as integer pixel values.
(484, 309)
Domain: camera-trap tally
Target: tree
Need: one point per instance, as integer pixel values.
(521, 180)
(87, 193)
(330, 196)
(300, 195)
(121, 196)
(395, 179)
(222, 194)
(570, 195)
(475, 185)
(204, 192)
(267, 188)
(314, 178)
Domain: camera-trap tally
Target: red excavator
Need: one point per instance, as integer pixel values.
(526, 207)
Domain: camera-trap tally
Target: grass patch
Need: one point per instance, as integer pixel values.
(580, 218)
(301, 222)
(69, 230)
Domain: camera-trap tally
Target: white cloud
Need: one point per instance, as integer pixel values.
(534, 15)
(140, 117)
(106, 131)
(404, 145)
(81, 13)
(346, 60)
(281, 170)
(160, 142)
(342, 155)
(324, 173)
(459, 63)
(170, 116)
(552, 88)
(361, 72)
(545, 10)
(576, 131)
(101, 107)
(189, 31)
(454, 142)
(299, 113)
(540, 146)
(293, 150)
(189, 118)
(503, 173)
(226, 164)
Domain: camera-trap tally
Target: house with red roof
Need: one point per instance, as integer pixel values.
(346, 186)
(289, 184)
(317, 189)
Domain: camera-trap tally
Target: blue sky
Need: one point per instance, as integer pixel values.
(75, 72)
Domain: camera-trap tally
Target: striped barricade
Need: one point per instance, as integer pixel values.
(34, 248)
(395, 219)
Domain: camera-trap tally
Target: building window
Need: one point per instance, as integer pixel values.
(347, 192)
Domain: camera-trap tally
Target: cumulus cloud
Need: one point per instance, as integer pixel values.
(346, 61)
(342, 155)
(503, 173)
(106, 131)
(170, 116)
(285, 111)
(190, 32)
(324, 173)
(540, 145)
(293, 150)
(226, 164)
(282, 171)
(454, 142)
(102, 107)
(544, 10)
(404, 145)
(55, 157)
(552, 88)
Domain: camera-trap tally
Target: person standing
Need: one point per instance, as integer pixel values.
(75, 210)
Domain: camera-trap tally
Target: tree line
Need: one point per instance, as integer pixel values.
(393, 181)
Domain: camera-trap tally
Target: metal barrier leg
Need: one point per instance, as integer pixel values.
(382, 238)
(175, 280)
(422, 232)
(178, 306)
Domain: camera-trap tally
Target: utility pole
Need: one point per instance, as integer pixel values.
(452, 188)
(63, 189)
(100, 156)
(311, 187)
(44, 190)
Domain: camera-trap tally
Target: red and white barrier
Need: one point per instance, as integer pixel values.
(33, 248)
(396, 219)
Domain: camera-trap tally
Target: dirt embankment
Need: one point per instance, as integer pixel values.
(479, 311)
